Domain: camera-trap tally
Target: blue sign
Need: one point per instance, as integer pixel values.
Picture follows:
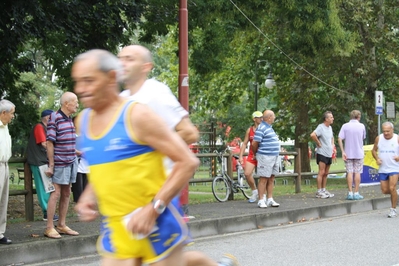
(378, 110)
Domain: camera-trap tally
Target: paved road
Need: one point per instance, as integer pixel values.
(367, 238)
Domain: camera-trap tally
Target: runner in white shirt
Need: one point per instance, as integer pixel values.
(137, 64)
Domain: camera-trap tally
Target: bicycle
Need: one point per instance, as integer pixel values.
(223, 184)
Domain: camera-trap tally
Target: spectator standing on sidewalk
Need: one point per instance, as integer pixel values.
(142, 201)
(387, 146)
(251, 161)
(62, 163)
(324, 139)
(36, 155)
(353, 133)
(7, 110)
(266, 146)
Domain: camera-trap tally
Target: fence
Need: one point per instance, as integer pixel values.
(28, 190)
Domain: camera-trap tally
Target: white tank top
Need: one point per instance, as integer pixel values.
(387, 149)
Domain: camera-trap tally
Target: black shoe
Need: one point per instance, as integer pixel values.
(55, 218)
(5, 241)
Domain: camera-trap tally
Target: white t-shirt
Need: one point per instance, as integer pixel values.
(161, 100)
(387, 150)
(83, 166)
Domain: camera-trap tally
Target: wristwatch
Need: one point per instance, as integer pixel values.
(159, 206)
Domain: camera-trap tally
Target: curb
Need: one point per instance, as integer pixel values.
(211, 227)
(51, 249)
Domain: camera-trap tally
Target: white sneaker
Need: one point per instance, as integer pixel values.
(321, 195)
(272, 203)
(253, 198)
(228, 260)
(392, 213)
(262, 204)
(330, 195)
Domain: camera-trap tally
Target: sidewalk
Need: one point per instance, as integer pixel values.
(30, 246)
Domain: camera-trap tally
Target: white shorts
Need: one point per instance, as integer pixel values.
(267, 165)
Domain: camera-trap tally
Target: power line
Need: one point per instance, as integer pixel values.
(286, 55)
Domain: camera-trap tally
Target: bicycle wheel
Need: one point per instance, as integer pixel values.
(245, 188)
(220, 188)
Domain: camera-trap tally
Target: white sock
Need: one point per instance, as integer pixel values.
(351, 193)
(255, 191)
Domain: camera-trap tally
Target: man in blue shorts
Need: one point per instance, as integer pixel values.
(324, 139)
(141, 221)
(62, 163)
(387, 146)
(266, 146)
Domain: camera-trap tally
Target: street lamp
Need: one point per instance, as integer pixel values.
(269, 83)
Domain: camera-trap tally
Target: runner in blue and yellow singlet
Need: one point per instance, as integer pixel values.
(124, 143)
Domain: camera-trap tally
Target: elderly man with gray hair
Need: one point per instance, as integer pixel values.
(7, 110)
(353, 133)
(387, 146)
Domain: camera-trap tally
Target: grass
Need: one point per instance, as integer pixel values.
(206, 196)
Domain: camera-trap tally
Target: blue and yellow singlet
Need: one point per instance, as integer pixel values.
(125, 175)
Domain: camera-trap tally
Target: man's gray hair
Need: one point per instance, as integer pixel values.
(6, 105)
(387, 123)
(106, 61)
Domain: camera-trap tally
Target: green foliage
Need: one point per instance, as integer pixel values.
(351, 49)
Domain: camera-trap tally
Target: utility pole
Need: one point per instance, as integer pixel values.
(183, 77)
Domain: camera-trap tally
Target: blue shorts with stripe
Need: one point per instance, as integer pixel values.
(170, 231)
(385, 176)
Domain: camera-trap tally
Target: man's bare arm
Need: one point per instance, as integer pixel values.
(315, 139)
(255, 146)
(44, 144)
(161, 138)
(375, 149)
(50, 157)
(187, 131)
(87, 205)
(341, 146)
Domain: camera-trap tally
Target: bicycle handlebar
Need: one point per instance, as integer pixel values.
(220, 155)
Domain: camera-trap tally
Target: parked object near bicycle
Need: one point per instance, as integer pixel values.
(223, 185)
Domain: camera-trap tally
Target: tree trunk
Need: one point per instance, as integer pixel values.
(302, 135)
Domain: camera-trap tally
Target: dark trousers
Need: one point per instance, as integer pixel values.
(79, 186)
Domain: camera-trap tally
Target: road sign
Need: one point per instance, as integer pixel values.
(379, 102)
(378, 110)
